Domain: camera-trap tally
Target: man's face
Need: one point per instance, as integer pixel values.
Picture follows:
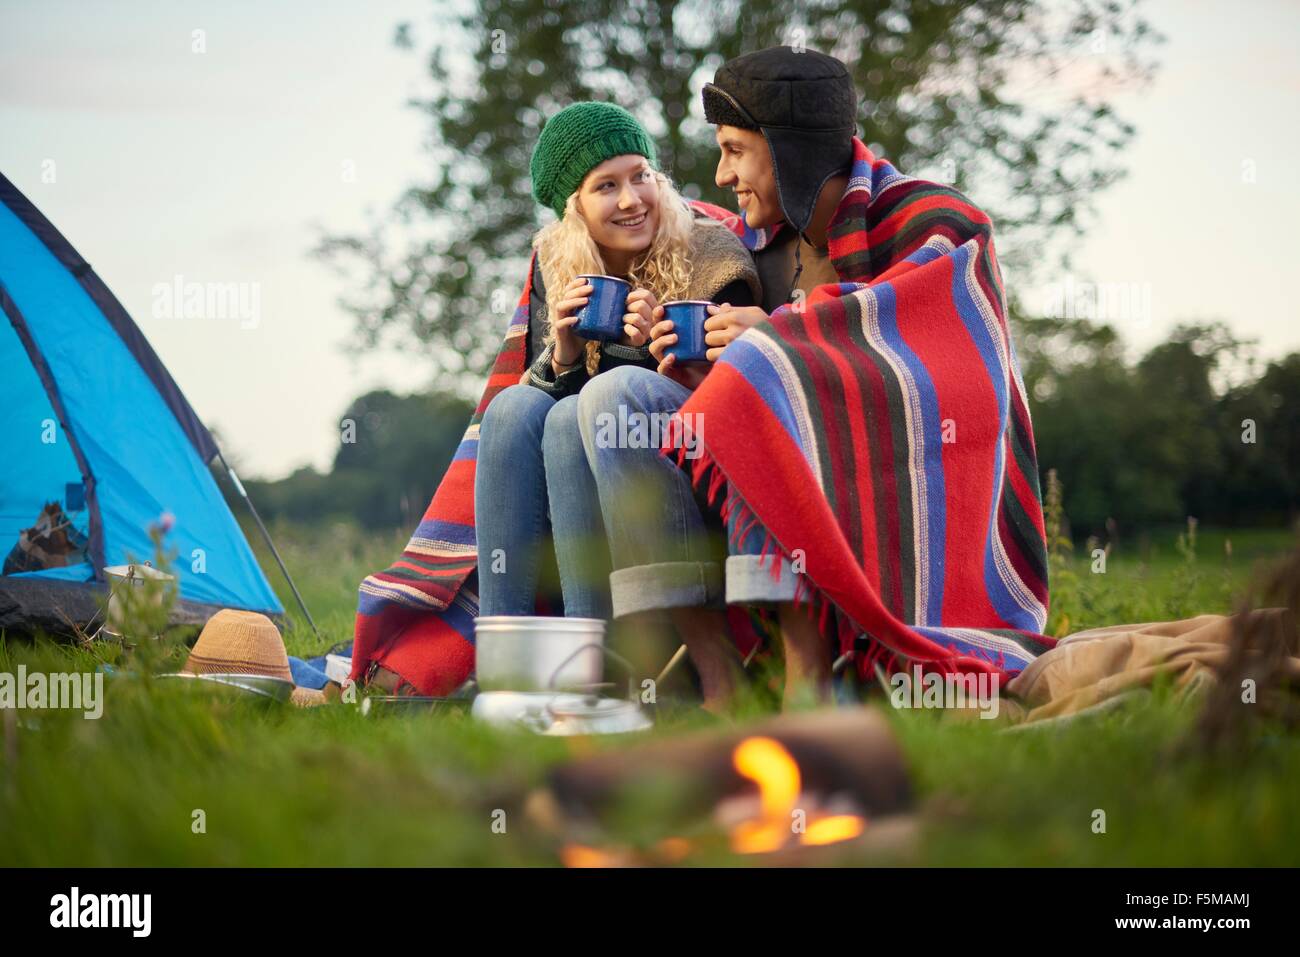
(745, 166)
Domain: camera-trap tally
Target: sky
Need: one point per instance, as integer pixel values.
(169, 157)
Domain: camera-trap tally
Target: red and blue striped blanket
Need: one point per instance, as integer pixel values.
(879, 434)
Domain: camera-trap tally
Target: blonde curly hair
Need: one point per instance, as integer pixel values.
(565, 249)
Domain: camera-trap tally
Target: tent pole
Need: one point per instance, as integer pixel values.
(239, 487)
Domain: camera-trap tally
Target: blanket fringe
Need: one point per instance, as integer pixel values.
(715, 484)
(998, 661)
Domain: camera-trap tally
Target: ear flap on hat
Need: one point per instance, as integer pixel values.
(802, 162)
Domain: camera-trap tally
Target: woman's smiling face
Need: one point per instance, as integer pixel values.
(619, 200)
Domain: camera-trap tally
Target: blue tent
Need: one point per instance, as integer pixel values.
(94, 421)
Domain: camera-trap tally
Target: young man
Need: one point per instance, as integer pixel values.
(871, 432)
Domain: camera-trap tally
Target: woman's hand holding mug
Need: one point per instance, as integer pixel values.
(569, 346)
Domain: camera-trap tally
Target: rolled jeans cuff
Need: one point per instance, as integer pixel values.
(750, 579)
(663, 585)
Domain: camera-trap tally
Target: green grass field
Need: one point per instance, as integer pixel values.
(327, 786)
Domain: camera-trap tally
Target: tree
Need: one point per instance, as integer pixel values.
(402, 445)
(1259, 427)
(952, 90)
(1082, 395)
(1180, 415)
(1189, 429)
(393, 450)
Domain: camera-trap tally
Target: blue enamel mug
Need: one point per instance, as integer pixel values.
(688, 317)
(602, 317)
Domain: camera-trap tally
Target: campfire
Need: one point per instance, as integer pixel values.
(784, 815)
(784, 793)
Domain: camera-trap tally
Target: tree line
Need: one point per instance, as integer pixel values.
(1195, 426)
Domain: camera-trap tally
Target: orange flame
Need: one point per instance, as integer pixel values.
(833, 829)
(769, 765)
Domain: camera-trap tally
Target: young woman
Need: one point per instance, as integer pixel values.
(595, 166)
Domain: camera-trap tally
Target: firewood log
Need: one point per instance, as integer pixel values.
(846, 754)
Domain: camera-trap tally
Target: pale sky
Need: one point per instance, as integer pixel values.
(219, 166)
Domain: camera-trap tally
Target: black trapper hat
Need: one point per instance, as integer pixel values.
(804, 104)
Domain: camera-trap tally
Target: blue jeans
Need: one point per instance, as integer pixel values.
(661, 548)
(531, 483)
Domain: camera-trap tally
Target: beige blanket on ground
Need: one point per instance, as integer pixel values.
(1090, 668)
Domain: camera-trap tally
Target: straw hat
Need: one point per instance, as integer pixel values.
(246, 643)
(239, 642)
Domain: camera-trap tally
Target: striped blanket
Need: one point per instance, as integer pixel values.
(879, 434)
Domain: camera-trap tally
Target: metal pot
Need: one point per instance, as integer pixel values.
(523, 653)
(130, 576)
(511, 708)
(572, 714)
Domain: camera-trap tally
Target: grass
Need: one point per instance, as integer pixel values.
(327, 786)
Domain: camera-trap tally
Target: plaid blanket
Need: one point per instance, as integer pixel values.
(879, 434)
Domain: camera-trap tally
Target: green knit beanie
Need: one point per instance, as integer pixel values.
(578, 139)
